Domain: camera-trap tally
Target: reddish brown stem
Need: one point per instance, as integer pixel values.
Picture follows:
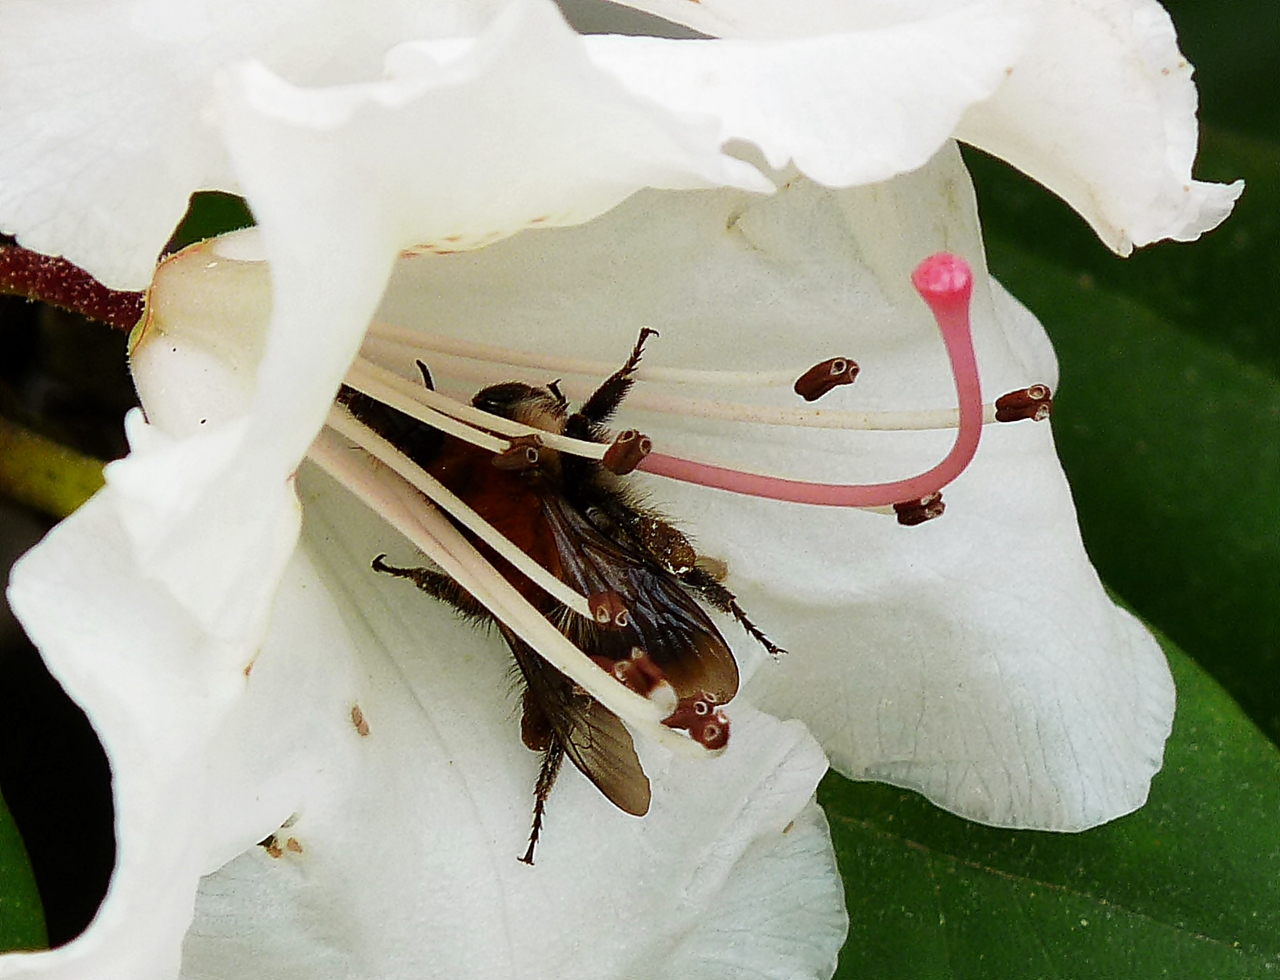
(59, 283)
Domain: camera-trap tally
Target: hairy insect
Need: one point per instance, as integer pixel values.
(577, 518)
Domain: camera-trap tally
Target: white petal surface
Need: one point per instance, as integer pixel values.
(1099, 106)
(1101, 110)
(404, 862)
(1014, 697)
(847, 108)
(106, 127)
(404, 840)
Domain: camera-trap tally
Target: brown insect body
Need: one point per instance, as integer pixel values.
(578, 521)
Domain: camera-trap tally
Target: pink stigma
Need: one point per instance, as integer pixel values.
(945, 283)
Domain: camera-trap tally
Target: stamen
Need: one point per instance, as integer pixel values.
(914, 512)
(706, 725)
(429, 406)
(396, 502)
(414, 339)
(809, 418)
(380, 449)
(945, 283)
(626, 452)
(608, 610)
(523, 454)
(1034, 403)
(822, 377)
(415, 401)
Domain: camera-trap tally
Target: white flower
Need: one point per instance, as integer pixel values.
(975, 658)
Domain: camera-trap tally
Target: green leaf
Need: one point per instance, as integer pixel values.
(210, 213)
(21, 917)
(1223, 288)
(1189, 886)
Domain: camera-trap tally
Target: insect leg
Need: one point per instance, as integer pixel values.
(724, 600)
(546, 779)
(439, 585)
(604, 401)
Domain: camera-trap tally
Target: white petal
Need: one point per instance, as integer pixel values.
(1102, 111)
(106, 128)
(404, 837)
(1100, 107)
(847, 108)
(739, 283)
(976, 659)
(465, 142)
(155, 686)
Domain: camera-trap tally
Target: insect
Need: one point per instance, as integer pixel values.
(580, 521)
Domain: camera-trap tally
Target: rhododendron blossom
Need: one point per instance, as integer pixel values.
(318, 769)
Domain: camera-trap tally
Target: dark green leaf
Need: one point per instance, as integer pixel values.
(21, 918)
(210, 213)
(1187, 887)
(1224, 288)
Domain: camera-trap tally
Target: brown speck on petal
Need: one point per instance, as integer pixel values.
(357, 719)
(293, 845)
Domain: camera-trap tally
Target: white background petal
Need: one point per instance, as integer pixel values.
(1101, 110)
(847, 108)
(406, 838)
(106, 127)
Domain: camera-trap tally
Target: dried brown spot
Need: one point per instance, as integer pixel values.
(357, 719)
(293, 845)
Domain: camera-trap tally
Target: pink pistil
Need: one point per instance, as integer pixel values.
(945, 283)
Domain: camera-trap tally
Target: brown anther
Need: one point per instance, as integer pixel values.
(821, 378)
(638, 672)
(626, 452)
(913, 512)
(706, 724)
(1034, 403)
(523, 454)
(608, 609)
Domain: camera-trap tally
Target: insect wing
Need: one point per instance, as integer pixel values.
(592, 736)
(666, 621)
